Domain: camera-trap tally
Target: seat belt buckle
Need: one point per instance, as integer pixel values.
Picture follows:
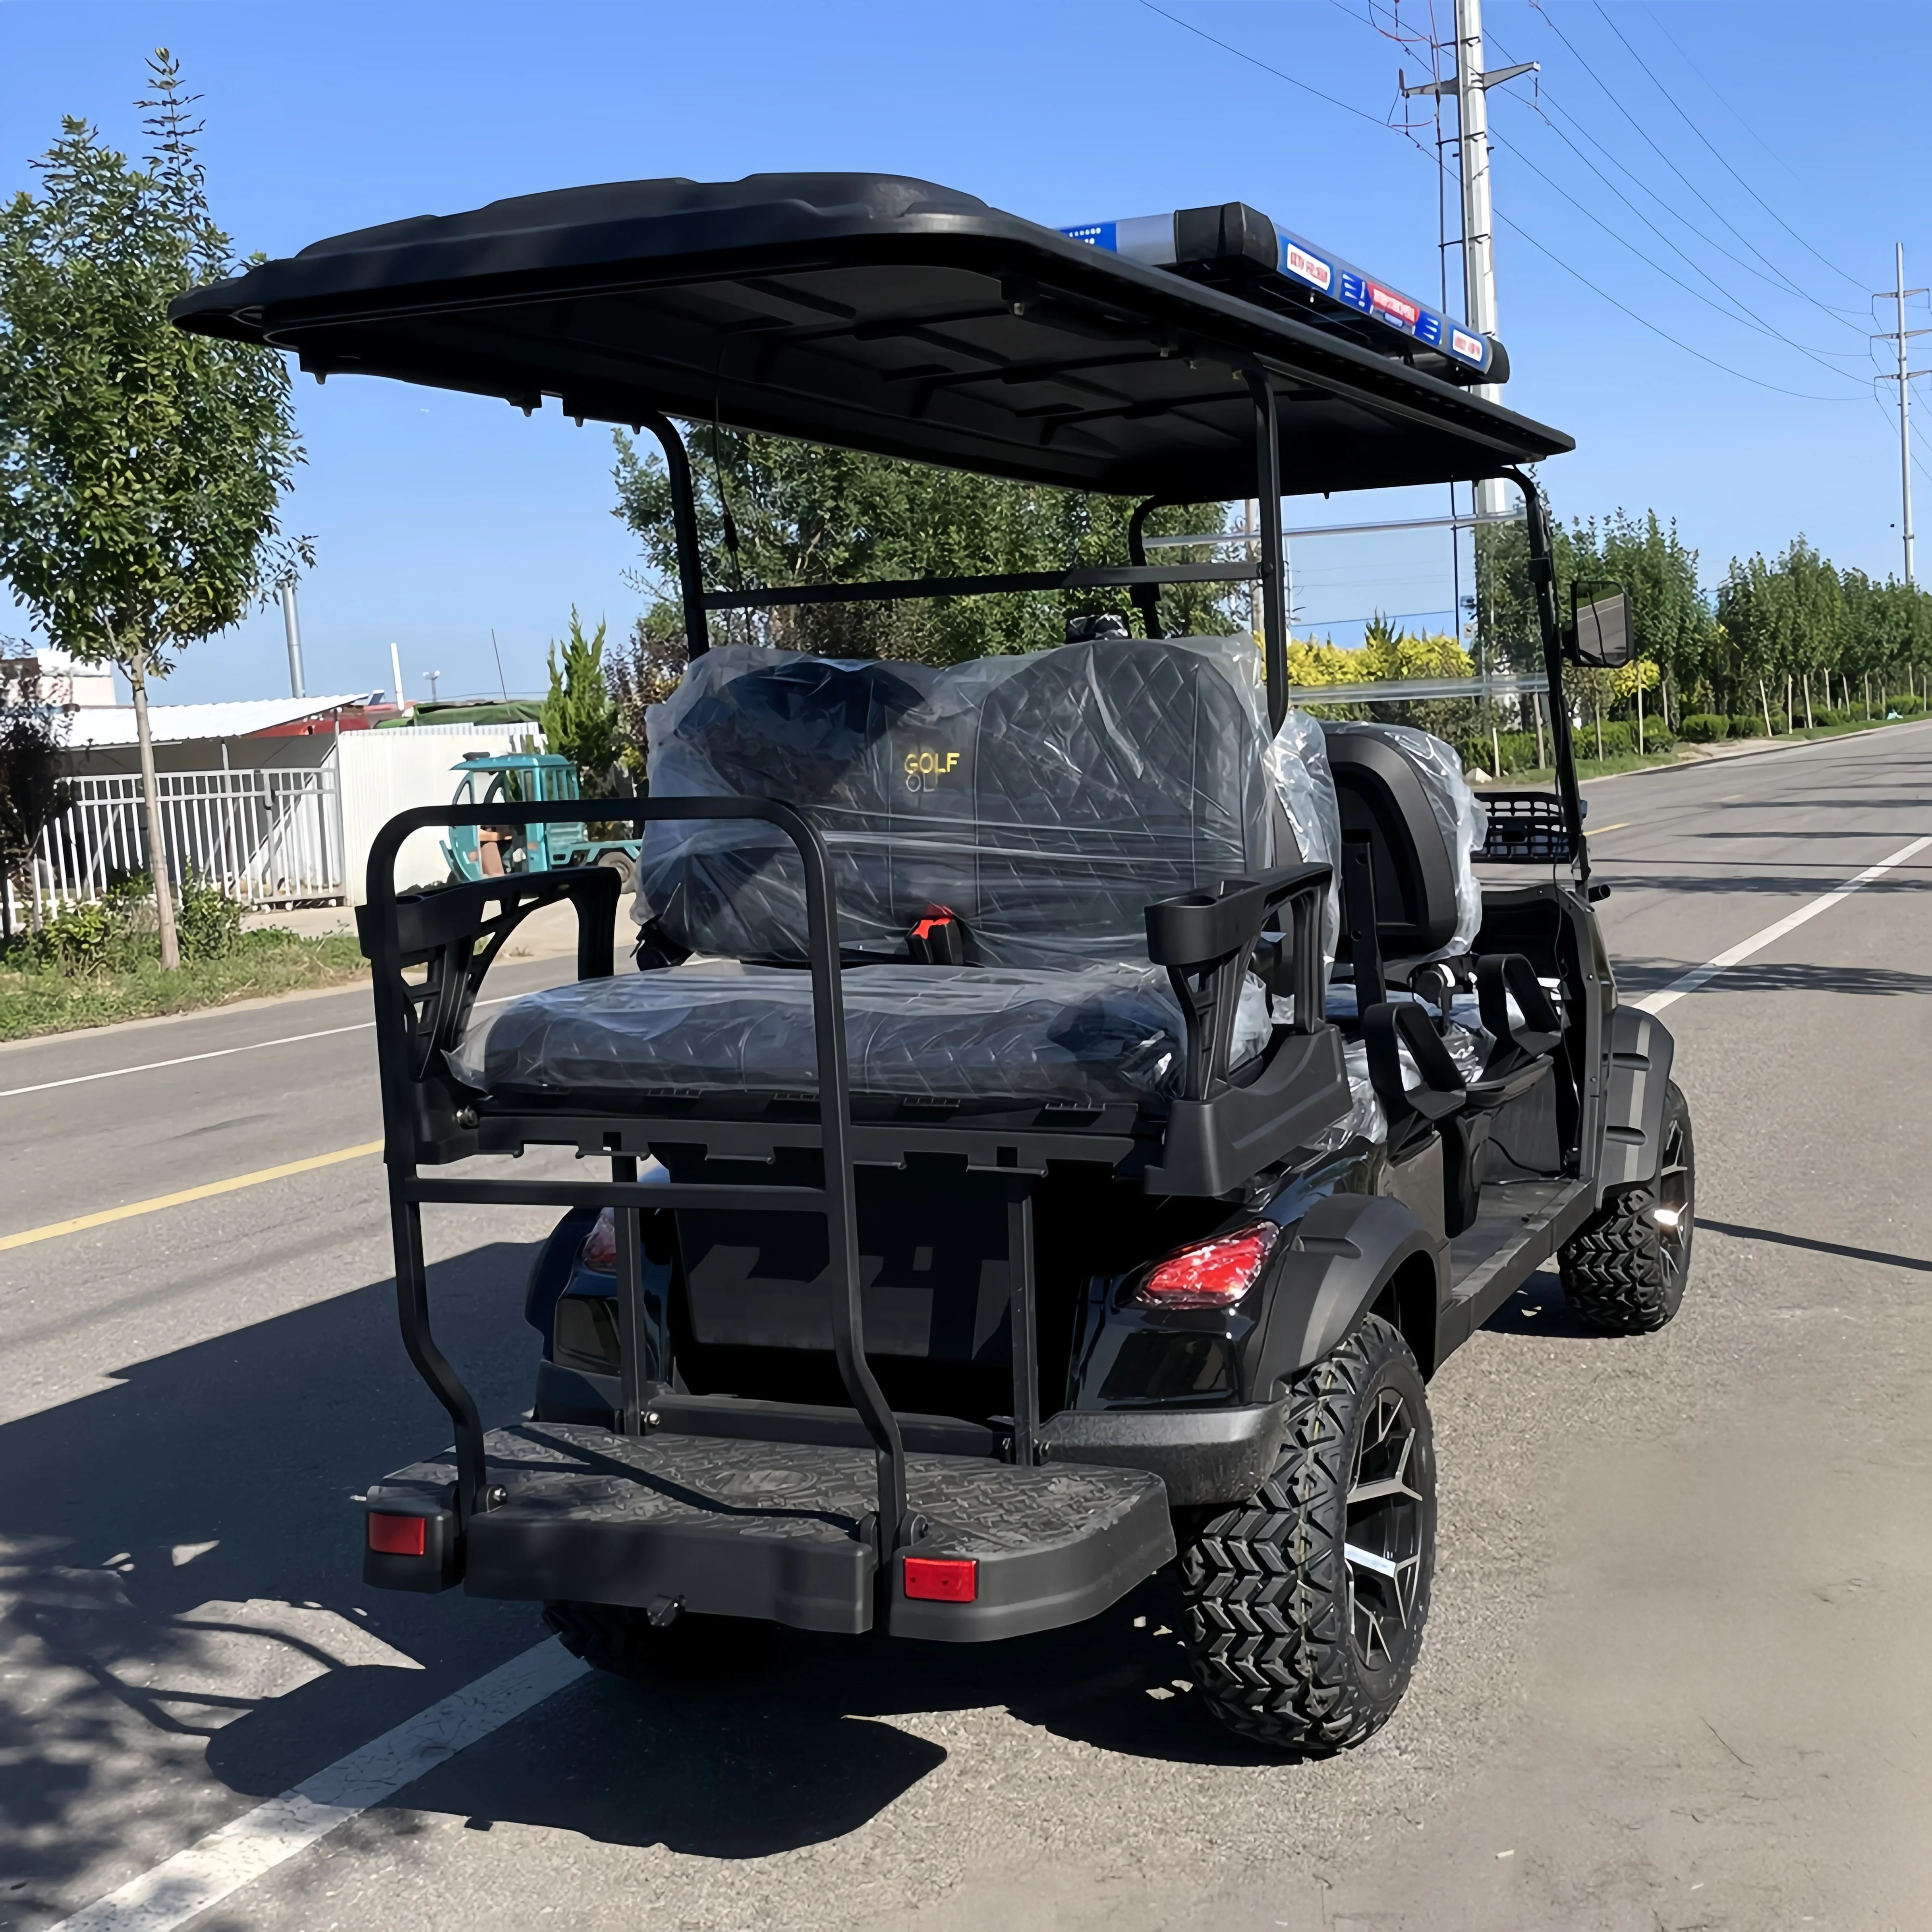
(937, 940)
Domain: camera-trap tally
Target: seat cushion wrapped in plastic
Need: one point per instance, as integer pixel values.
(1089, 1036)
(1045, 800)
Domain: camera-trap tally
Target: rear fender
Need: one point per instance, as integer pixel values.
(1350, 1252)
(1641, 1052)
(551, 1272)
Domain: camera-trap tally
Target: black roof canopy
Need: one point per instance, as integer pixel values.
(873, 312)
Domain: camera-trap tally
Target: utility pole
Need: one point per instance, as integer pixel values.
(1470, 86)
(292, 625)
(1901, 335)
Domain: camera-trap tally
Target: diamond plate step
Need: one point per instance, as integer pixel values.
(774, 1530)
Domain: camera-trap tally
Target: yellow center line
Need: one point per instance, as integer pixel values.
(1621, 825)
(206, 1192)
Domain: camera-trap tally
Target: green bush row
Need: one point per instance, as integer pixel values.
(122, 931)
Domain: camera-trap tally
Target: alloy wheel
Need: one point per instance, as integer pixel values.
(1383, 1542)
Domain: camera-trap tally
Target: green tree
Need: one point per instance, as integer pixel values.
(643, 672)
(772, 512)
(579, 718)
(1670, 620)
(142, 470)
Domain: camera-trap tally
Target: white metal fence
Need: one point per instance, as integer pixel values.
(266, 837)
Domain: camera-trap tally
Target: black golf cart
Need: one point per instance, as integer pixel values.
(1005, 1174)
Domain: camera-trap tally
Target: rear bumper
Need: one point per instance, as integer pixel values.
(1201, 1455)
(780, 1532)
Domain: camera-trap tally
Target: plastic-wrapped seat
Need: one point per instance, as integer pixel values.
(1036, 805)
(1409, 813)
(1411, 829)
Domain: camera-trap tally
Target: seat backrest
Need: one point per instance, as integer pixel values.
(1045, 799)
(1403, 790)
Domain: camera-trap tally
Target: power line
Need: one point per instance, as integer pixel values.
(1726, 165)
(1781, 283)
(1758, 328)
(1650, 141)
(1778, 279)
(1239, 53)
(1777, 388)
(1711, 86)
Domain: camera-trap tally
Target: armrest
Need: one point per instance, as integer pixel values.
(458, 933)
(1196, 929)
(1502, 976)
(1386, 1030)
(1205, 939)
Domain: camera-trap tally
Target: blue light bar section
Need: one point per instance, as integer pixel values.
(1150, 238)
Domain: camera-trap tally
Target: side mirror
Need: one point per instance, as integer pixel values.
(1600, 633)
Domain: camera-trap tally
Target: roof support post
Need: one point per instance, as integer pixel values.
(684, 527)
(1146, 596)
(1542, 585)
(1267, 484)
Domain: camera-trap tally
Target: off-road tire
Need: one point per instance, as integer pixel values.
(1284, 1648)
(625, 1641)
(1623, 1273)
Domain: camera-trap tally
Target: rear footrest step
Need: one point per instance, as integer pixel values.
(780, 1530)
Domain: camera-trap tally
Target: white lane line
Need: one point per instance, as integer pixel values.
(215, 1053)
(154, 1066)
(220, 1864)
(1701, 976)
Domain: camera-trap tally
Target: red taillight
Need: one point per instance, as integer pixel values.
(599, 1253)
(398, 1535)
(942, 1579)
(1212, 1274)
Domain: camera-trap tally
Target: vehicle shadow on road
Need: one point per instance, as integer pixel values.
(822, 1733)
(1538, 1308)
(181, 1600)
(179, 1562)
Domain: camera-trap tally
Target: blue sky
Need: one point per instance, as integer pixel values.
(1768, 171)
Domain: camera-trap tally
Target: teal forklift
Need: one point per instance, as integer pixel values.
(482, 850)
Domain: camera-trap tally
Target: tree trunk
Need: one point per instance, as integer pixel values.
(1639, 707)
(1536, 708)
(1764, 698)
(150, 797)
(1808, 725)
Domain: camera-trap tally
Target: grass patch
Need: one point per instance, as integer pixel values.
(38, 999)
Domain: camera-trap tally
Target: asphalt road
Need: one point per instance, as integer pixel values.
(1675, 1675)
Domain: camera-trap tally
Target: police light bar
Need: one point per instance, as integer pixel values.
(1333, 287)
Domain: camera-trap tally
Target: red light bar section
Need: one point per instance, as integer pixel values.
(940, 1579)
(398, 1535)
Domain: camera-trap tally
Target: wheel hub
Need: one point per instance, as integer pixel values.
(1675, 1209)
(1383, 1541)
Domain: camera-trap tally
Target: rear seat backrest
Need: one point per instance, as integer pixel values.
(1045, 799)
(1402, 788)
(1110, 774)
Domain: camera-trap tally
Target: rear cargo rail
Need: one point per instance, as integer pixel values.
(436, 936)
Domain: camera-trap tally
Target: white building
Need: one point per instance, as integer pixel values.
(276, 799)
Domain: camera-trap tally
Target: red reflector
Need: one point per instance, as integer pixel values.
(942, 1579)
(398, 1535)
(1214, 1274)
